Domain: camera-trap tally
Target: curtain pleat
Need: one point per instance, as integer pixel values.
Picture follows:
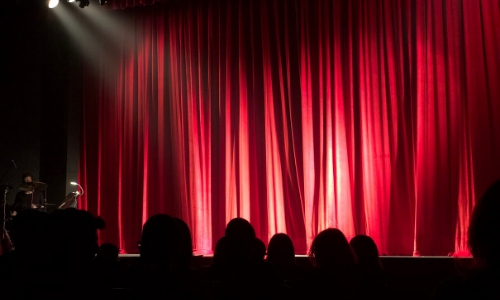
(375, 117)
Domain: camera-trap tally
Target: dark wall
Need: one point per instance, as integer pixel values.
(39, 96)
(61, 62)
(20, 91)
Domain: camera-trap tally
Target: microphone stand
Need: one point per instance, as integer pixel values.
(6, 189)
(4, 230)
(32, 195)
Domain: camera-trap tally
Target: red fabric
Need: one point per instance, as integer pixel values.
(122, 4)
(375, 117)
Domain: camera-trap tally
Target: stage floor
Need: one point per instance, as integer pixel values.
(397, 265)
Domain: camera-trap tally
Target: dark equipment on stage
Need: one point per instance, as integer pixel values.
(83, 3)
(5, 188)
(34, 186)
(70, 201)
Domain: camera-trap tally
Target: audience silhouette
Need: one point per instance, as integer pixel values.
(165, 252)
(334, 274)
(483, 281)
(372, 280)
(281, 253)
(52, 248)
(107, 266)
(366, 252)
(63, 247)
(108, 253)
(220, 249)
(237, 273)
(259, 250)
(22, 270)
(74, 247)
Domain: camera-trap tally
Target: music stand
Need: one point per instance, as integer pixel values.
(70, 201)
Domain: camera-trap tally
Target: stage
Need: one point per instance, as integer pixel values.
(397, 265)
(297, 116)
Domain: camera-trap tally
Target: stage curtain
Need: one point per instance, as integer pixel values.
(374, 117)
(123, 4)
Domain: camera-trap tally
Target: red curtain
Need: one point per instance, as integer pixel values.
(375, 117)
(122, 4)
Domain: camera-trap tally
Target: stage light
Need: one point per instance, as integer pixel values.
(102, 2)
(83, 3)
(53, 3)
(71, 1)
(78, 192)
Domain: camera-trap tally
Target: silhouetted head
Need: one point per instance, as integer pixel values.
(185, 248)
(108, 252)
(330, 247)
(258, 250)
(27, 177)
(160, 239)
(484, 228)
(240, 239)
(239, 229)
(30, 234)
(74, 234)
(366, 251)
(281, 251)
(220, 250)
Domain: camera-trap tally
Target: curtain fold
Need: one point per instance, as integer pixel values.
(375, 117)
(123, 4)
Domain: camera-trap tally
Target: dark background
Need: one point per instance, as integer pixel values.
(40, 99)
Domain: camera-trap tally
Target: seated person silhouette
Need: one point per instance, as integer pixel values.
(165, 254)
(74, 248)
(107, 265)
(483, 281)
(334, 272)
(372, 280)
(281, 253)
(238, 274)
(26, 267)
(27, 199)
(259, 250)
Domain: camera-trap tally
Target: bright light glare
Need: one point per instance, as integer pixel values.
(53, 3)
(73, 183)
(71, 1)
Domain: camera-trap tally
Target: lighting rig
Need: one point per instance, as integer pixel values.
(81, 3)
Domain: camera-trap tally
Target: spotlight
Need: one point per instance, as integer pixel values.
(53, 3)
(71, 1)
(83, 3)
(102, 2)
